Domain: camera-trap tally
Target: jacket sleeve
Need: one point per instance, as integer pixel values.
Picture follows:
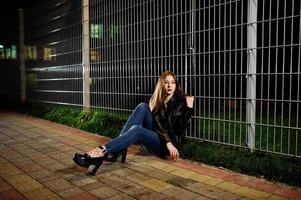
(163, 134)
(186, 116)
(184, 119)
(159, 128)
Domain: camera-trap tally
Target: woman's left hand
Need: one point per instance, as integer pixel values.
(189, 101)
(173, 151)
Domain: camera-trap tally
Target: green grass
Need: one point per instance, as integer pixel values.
(274, 167)
(270, 136)
(100, 122)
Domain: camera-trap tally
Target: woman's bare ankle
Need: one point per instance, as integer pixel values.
(97, 152)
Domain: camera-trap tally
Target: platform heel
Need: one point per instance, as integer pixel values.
(115, 156)
(94, 166)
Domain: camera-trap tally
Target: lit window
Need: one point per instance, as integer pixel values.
(8, 53)
(49, 54)
(94, 56)
(114, 31)
(13, 51)
(31, 52)
(96, 30)
(34, 53)
(2, 54)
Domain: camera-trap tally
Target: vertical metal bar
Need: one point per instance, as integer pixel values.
(230, 73)
(241, 68)
(152, 39)
(214, 73)
(134, 49)
(109, 60)
(276, 71)
(251, 74)
(93, 48)
(185, 49)
(269, 77)
(140, 49)
(21, 56)
(104, 60)
(224, 71)
(157, 42)
(86, 55)
(219, 71)
(73, 63)
(96, 74)
(235, 73)
(145, 44)
(283, 76)
(290, 77)
(122, 24)
(209, 72)
(261, 76)
(128, 43)
(101, 67)
(298, 90)
(162, 66)
(112, 66)
(172, 40)
(204, 70)
(192, 54)
(118, 49)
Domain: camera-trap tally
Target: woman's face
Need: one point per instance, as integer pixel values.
(169, 85)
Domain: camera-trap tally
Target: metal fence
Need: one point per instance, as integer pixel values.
(239, 58)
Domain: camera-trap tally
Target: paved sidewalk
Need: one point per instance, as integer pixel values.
(36, 163)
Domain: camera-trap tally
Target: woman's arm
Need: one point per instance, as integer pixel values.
(187, 110)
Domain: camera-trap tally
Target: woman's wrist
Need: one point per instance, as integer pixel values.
(169, 144)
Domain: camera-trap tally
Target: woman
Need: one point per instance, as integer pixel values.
(157, 126)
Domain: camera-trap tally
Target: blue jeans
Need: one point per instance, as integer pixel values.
(138, 128)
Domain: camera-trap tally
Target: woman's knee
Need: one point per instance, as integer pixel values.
(133, 127)
(136, 130)
(143, 107)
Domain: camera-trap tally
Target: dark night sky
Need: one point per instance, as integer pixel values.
(9, 18)
(11, 7)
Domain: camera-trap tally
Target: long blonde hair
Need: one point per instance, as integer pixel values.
(158, 97)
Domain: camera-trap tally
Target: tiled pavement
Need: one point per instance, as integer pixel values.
(36, 163)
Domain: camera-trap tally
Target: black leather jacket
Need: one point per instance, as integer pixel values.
(171, 121)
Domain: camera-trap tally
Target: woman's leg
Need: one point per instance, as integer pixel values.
(148, 138)
(141, 116)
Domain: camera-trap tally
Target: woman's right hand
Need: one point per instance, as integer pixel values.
(173, 151)
(189, 101)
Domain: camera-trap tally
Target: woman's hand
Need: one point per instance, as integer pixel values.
(173, 151)
(189, 101)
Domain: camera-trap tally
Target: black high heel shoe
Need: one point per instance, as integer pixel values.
(113, 157)
(82, 160)
(92, 163)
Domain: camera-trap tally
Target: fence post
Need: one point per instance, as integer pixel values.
(21, 56)
(251, 73)
(86, 54)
